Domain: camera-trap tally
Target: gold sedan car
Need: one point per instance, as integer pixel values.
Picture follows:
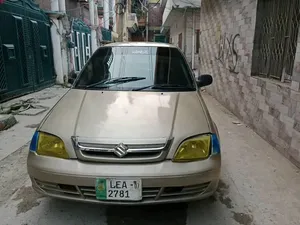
(133, 129)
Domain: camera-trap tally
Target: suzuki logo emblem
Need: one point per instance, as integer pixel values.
(120, 150)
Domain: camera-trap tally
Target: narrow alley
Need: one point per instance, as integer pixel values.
(258, 186)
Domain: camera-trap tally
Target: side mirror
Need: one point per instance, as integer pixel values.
(204, 80)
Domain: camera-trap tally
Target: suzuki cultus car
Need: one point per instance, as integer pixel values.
(133, 129)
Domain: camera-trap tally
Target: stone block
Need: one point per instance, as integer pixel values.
(268, 117)
(295, 86)
(295, 95)
(295, 140)
(282, 108)
(256, 89)
(287, 120)
(263, 106)
(260, 97)
(292, 108)
(242, 82)
(294, 155)
(261, 83)
(275, 98)
(284, 91)
(271, 87)
(7, 121)
(286, 101)
(249, 40)
(274, 112)
(297, 126)
(279, 142)
(241, 22)
(245, 90)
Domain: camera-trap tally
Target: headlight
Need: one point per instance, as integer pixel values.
(48, 145)
(197, 148)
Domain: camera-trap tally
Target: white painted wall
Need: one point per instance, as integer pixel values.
(170, 4)
(184, 25)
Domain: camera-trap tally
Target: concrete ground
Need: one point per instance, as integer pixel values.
(15, 137)
(258, 187)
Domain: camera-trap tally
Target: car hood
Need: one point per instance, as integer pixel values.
(112, 117)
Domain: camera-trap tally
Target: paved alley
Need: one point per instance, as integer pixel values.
(258, 186)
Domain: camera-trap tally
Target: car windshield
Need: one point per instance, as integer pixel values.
(137, 69)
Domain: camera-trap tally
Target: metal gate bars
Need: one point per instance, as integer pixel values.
(276, 37)
(26, 62)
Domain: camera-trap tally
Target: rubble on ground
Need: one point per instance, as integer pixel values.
(27, 107)
(7, 121)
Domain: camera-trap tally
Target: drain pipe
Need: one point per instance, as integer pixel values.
(193, 41)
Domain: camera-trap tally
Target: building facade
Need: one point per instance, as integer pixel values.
(155, 15)
(252, 49)
(182, 20)
(75, 33)
(26, 57)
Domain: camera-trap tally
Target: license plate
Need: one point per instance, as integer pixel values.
(118, 189)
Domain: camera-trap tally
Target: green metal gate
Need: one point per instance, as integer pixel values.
(26, 61)
(81, 36)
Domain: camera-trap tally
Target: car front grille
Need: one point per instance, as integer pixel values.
(107, 153)
(148, 193)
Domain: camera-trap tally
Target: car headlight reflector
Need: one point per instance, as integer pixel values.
(193, 149)
(48, 145)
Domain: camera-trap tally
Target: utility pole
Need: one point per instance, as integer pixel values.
(119, 10)
(147, 25)
(106, 14)
(147, 19)
(93, 27)
(56, 44)
(114, 13)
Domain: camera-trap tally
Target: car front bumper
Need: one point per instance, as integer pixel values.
(164, 182)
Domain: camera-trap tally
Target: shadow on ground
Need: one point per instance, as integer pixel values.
(174, 214)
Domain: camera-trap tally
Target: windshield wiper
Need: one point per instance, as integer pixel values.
(119, 80)
(164, 86)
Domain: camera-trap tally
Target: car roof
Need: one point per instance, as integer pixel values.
(139, 44)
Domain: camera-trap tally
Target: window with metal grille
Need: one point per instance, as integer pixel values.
(275, 40)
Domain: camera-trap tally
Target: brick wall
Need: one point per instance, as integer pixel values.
(73, 8)
(270, 107)
(155, 15)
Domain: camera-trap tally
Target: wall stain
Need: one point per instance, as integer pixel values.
(223, 185)
(29, 199)
(222, 194)
(32, 125)
(242, 218)
(172, 214)
(227, 52)
(226, 201)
